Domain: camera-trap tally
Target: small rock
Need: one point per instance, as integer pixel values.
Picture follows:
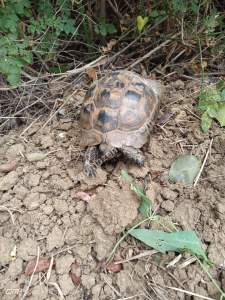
(55, 239)
(27, 249)
(46, 142)
(20, 191)
(63, 264)
(47, 209)
(216, 254)
(187, 215)
(88, 281)
(40, 292)
(66, 284)
(65, 126)
(178, 84)
(34, 180)
(36, 156)
(168, 194)
(42, 165)
(6, 246)
(103, 243)
(96, 290)
(15, 268)
(220, 208)
(15, 150)
(153, 191)
(72, 235)
(168, 205)
(32, 201)
(8, 181)
(65, 183)
(61, 206)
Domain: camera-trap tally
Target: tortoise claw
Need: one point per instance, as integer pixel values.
(89, 170)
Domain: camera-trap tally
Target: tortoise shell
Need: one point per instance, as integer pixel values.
(118, 110)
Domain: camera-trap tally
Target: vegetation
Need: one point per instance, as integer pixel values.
(44, 33)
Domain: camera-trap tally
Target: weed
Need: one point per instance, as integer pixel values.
(212, 103)
(25, 34)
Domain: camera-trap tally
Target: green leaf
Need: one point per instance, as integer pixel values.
(126, 176)
(222, 95)
(14, 78)
(141, 22)
(184, 169)
(173, 241)
(145, 206)
(206, 121)
(110, 28)
(221, 114)
(220, 85)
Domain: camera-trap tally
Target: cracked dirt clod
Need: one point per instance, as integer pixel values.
(8, 181)
(6, 246)
(40, 194)
(55, 239)
(109, 205)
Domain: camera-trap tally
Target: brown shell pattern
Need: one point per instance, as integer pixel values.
(121, 102)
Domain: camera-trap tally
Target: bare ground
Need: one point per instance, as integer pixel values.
(80, 229)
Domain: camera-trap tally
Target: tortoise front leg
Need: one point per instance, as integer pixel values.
(90, 159)
(108, 155)
(134, 154)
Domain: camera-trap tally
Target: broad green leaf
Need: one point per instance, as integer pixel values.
(13, 78)
(185, 169)
(141, 22)
(206, 121)
(220, 85)
(221, 114)
(173, 241)
(110, 28)
(222, 95)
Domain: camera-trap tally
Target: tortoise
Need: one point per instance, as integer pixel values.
(116, 117)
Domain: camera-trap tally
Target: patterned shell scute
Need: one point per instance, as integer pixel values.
(117, 109)
(106, 120)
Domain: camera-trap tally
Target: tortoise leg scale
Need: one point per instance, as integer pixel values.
(90, 158)
(108, 155)
(133, 154)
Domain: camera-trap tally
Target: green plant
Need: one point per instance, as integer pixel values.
(212, 104)
(177, 241)
(104, 28)
(30, 28)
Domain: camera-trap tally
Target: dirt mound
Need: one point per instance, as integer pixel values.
(47, 203)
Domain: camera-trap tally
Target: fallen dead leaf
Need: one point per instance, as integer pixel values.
(92, 74)
(114, 268)
(8, 167)
(109, 46)
(43, 264)
(75, 273)
(82, 196)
